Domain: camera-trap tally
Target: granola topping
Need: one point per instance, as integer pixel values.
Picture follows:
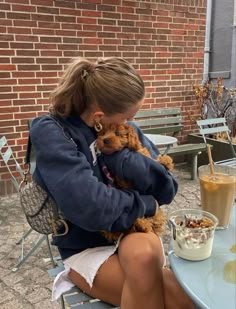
(196, 223)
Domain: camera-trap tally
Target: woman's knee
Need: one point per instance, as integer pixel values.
(140, 256)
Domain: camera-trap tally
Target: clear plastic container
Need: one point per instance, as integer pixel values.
(192, 233)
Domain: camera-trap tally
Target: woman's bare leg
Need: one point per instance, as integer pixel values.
(108, 283)
(175, 296)
(135, 278)
(141, 258)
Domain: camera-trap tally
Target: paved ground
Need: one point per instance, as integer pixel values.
(30, 286)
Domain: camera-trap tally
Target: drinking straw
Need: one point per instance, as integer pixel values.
(210, 159)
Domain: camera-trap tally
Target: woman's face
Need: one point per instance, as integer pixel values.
(124, 117)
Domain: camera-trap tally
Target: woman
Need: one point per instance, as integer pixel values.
(130, 273)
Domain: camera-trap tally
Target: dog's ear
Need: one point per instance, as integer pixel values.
(133, 140)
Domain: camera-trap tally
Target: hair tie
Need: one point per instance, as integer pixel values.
(84, 74)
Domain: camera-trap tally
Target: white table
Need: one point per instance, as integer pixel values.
(204, 280)
(162, 140)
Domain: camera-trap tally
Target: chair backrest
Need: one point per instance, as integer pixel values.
(10, 161)
(213, 126)
(158, 121)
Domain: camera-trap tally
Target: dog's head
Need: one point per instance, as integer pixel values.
(116, 137)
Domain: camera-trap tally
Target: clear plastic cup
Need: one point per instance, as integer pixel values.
(218, 192)
(192, 233)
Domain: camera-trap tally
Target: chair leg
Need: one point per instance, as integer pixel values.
(50, 252)
(194, 166)
(21, 241)
(24, 236)
(23, 259)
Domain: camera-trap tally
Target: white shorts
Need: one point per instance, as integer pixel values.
(87, 264)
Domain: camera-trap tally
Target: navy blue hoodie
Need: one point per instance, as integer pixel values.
(69, 167)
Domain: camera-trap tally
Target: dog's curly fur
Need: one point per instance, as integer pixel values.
(114, 138)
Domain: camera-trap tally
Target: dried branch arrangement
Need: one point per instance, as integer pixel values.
(214, 101)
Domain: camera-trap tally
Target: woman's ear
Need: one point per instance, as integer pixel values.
(97, 116)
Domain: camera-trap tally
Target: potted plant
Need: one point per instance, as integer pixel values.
(214, 100)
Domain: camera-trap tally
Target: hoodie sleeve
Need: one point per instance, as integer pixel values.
(146, 174)
(83, 199)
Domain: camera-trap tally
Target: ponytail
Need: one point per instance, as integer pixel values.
(111, 83)
(69, 97)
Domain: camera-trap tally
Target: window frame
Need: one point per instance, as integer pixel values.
(234, 13)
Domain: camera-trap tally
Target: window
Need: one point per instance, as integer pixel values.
(223, 18)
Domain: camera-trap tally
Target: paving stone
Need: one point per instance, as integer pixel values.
(24, 289)
(38, 295)
(5, 293)
(12, 278)
(47, 303)
(17, 304)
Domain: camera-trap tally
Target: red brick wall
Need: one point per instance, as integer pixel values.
(163, 39)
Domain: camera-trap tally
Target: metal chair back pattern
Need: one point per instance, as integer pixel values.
(14, 168)
(8, 156)
(218, 125)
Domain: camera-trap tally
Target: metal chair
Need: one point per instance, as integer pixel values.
(15, 170)
(218, 125)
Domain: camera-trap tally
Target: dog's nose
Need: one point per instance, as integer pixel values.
(106, 141)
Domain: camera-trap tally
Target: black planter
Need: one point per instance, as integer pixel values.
(220, 150)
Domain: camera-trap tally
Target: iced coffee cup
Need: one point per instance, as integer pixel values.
(217, 192)
(192, 233)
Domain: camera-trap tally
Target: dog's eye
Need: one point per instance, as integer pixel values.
(106, 141)
(117, 133)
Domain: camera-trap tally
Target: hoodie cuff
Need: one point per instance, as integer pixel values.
(150, 204)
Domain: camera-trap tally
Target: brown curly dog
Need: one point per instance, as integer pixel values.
(114, 138)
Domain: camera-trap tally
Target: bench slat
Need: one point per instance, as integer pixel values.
(77, 297)
(94, 305)
(158, 112)
(228, 162)
(205, 131)
(210, 121)
(158, 121)
(159, 130)
(187, 149)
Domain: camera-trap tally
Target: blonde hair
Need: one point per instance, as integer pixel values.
(112, 83)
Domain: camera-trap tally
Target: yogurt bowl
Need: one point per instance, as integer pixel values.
(192, 233)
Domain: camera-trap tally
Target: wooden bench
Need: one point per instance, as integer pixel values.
(75, 298)
(169, 120)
